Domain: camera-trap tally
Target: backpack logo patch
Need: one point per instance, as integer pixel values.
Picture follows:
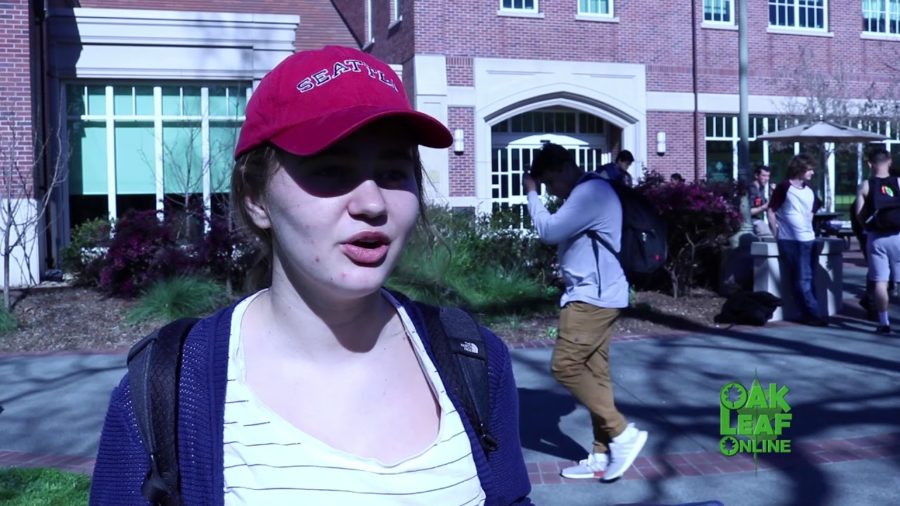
(470, 347)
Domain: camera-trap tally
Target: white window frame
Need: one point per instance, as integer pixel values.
(590, 15)
(767, 125)
(369, 35)
(796, 27)
(887, 25)
(731, 16)
(396, 16)
(519, 10)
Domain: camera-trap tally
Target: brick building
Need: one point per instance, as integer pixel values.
(147, 101)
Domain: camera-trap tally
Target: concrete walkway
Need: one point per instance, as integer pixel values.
(844, 393)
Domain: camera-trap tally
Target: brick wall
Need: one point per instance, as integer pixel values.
(320, 22)
(658, 35)
(462, 167)
(353, 13)
(459, 71)
(394, 41)
(16, 141)
(679, 156)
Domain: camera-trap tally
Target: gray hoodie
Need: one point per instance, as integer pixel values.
(591, 273)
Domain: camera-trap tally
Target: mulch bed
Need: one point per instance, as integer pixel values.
(61, 318)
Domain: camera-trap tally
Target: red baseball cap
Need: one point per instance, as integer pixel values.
(313, 99)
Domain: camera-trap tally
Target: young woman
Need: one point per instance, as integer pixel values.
(322, 388)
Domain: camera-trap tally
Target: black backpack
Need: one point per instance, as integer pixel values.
(884, 220)
(644, 233)
(748, 308)
(154, 366)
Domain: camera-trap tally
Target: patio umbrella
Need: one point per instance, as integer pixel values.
(822, 132)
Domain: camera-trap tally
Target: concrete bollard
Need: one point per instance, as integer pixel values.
(828, 278)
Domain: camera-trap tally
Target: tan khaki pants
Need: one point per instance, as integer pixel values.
(581, 364)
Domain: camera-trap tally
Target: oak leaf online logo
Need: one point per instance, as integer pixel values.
(753, 420)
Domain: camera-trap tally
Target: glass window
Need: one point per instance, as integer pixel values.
(142, 130)
(123, 100)
(88, 142)
(718, 11)
(595, 7)
(807, 14)
(171, 100)
(75, 101)
(846, 164)
(722, 141)
(719, 160)
(519, 5)
(223, 137)
(191, 98)
(227, 101)
(757, 156)
(881, 16)
(96, 100)
(143, 100)
(780, 154)
(135, 155)
(182, 157)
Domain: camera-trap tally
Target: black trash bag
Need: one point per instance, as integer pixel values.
(748, 308)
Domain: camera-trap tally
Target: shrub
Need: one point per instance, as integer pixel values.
(479, 263)
(143, 250)
(84, 255)
(178, 297)
(42, 487)
(701, 217)
(226, 253)
(8, 321)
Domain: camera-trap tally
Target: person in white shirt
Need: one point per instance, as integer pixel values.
(791, 210)
(596, 290)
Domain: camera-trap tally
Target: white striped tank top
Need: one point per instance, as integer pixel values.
(270, 461)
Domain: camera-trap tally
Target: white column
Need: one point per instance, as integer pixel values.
(110, 155)
(158, 147)
(431, 98)
(204, 148)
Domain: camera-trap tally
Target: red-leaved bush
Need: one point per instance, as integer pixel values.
(145, 249)
(701, 218)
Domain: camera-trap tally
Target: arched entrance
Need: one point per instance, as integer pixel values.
(515, 140)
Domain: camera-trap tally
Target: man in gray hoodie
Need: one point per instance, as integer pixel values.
(595, 292)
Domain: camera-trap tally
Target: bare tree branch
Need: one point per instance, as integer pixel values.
(22, 206)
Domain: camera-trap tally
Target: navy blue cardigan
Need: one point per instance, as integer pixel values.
(122, 462)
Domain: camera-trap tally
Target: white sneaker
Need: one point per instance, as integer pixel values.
(592, 467)
(623, 449)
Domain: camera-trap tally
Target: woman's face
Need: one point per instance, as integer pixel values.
(340, 219)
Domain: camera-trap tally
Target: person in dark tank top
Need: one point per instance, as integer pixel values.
(877, 195)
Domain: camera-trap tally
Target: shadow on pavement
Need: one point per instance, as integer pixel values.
(543, 410)
(834, 409)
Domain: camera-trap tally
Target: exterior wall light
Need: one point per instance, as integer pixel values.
(459, 145)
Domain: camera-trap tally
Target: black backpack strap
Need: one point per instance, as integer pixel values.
(154, 365)
(461, 353)
(597, 238)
